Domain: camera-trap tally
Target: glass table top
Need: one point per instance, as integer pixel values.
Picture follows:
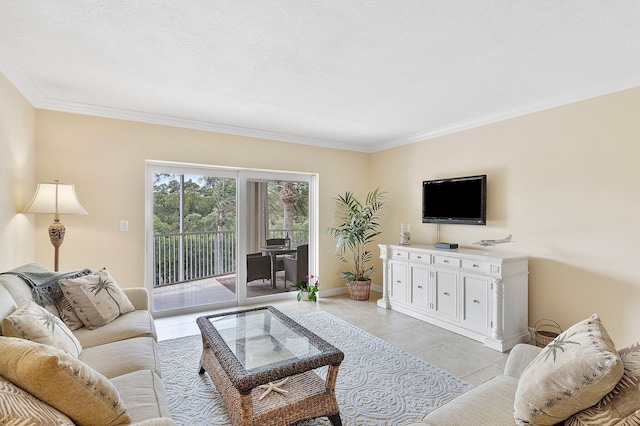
(260, 339)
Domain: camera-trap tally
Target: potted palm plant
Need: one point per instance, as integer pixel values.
(359, 225)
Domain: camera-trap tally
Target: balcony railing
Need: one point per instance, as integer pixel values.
(298, 236)
(189, 256)
(193, 255)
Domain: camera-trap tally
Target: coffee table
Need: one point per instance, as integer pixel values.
(246, 351)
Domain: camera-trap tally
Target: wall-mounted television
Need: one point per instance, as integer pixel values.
(460, 200)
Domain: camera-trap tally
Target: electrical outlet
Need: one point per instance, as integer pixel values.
(124, 225)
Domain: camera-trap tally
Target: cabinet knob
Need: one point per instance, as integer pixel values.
(476, 265)
(419, 257)
(476, 301)
(446, 294)
(419, 286)
(399, 282)
(446, 261)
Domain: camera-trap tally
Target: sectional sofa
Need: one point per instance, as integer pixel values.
(110, 370)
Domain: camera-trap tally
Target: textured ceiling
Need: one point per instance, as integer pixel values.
(362, 75)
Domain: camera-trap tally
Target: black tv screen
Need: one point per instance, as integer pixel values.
(461, 200)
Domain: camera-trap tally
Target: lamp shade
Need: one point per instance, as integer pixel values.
(57, 198)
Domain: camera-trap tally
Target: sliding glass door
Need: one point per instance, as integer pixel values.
(206, 225)
(194, 238)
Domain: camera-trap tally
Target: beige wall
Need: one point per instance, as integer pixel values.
(17, 177)
(565, 182)
(105, 159)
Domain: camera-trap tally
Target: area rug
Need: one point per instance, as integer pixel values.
(378, 383)
(258, 287)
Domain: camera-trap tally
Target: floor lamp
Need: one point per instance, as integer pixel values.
(57, 198)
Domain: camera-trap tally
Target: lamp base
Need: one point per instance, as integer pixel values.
(56, 236)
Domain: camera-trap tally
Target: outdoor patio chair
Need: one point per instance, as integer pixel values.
(258, 266)
(277, 242)
(296, 267)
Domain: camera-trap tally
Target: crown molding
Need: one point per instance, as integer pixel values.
(28, 88)
(181, 122)
(605, 87)
(21, 80)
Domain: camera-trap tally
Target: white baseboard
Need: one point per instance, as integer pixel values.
(326, 292)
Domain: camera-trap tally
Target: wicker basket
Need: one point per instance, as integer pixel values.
(546, 330)
(359, 290)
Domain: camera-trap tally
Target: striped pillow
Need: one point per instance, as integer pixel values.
(622, 405)
(18, 407)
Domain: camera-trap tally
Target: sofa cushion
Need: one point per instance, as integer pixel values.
(68, 315)
(122, 357)
(572, 373)
(18, 407)
(496, 393)
(143, 393)
(17, 288)
(96, 298)
(621, 406)
(133, 324)
(33, 322)
(62, 381)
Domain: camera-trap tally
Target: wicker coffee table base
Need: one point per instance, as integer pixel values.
(307, 396)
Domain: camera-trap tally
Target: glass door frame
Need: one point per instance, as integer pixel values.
(242, 176)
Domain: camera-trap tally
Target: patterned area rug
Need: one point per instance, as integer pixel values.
(378, 384)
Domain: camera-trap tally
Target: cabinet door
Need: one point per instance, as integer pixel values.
(398, 281)
(419, 287)
(445, 293)
(475, 312)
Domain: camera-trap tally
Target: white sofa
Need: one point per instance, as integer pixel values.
(579, 379)
(491, 403)
(124, 351)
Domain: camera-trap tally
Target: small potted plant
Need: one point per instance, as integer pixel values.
(311, 286)
(359, 225)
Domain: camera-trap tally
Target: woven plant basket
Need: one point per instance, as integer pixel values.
(359, 290)
(546, 330)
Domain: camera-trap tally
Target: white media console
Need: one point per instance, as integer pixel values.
(479, 294)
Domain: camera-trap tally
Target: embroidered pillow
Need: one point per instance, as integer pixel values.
(67, 314)
(621, 406)
(572, 373)
(20, 408)
(33, 322)
(62, 381)
(96, 298)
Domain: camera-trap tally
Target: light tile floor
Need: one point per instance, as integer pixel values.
(461, 356)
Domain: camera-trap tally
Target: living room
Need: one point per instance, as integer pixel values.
(563, 180)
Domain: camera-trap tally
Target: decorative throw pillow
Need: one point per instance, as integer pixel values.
(96, 298)
(33, 322)
(68, 315)
(62, 381)
(621, 406)
(17, 407)
(572, 373)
